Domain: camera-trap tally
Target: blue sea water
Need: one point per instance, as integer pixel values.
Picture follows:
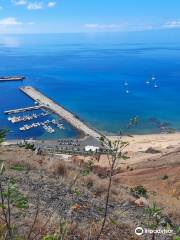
(86, 73)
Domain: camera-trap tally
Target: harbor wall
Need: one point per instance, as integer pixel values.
(60, 111)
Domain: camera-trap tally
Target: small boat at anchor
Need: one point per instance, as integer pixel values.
(147, 82)
(155, 85)
(153, 78)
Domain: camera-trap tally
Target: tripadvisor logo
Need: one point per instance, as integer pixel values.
(139, 231)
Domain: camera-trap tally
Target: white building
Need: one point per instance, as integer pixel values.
(91, 148)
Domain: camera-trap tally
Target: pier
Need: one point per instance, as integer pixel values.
(23, 109)
(47, 103)
(13, 78)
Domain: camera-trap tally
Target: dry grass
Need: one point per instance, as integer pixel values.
(100, 187)
(90, 232)
(97, 183)
(57, 168)
(20, 165)
(20, 156)
(102, 172)
(170, 206)
(78, 160)
(90, 181)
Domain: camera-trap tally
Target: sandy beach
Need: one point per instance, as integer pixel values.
(142, 142)
(139, 145)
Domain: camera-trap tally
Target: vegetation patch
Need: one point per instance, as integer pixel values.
(139, 191)
(18, 167)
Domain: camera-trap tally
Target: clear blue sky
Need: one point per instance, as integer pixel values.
(41, 16)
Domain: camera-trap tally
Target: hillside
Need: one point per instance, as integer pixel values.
(65, 189)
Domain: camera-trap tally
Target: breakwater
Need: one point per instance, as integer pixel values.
(47, 103)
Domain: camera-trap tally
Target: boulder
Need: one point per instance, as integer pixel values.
(141, 202)
(152, 151)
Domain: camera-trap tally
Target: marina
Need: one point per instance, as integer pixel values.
(30, 117)
(44, 124)
(23, 109)
(17, 119)
(49, 104)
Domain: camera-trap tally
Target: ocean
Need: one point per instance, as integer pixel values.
(86, 73)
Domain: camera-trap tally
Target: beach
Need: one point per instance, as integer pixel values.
(140, 143)
(143, 147)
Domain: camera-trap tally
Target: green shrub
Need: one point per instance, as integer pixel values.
(139, 191)
(51, 237)
(165, 177)
(19, 167)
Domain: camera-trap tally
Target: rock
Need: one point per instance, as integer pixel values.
(126, 204)
(165, 221)
(141, 202)
(152, 151)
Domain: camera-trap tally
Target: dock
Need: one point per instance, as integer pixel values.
(13, 78)
(49, 104)
(23, 109)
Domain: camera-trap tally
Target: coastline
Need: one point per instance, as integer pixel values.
(140, 142)
(139, 145)
(157, 140)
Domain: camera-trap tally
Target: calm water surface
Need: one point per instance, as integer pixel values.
(86, 74)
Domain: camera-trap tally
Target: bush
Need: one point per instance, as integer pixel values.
(3, 133)
(90, 181)
(165, 177)
(139, 191)
(100, 187)
(27, 145)
(57, 168)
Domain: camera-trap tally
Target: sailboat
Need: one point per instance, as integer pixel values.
(155, 85)
(153, 78)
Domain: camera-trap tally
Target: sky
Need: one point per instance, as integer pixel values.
(55, 16)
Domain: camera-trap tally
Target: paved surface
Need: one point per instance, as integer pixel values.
(70, 146)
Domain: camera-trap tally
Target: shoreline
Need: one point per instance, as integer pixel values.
(154, 136)
(141, 148)
(160, 140)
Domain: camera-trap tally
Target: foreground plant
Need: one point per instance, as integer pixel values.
(3, 133)
(11, 202)
(115, 153)
(139, 191)
(156, 217)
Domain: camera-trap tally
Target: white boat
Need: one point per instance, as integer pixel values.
(127, 91)
(153, 78)
(126, 83)
(155, 85)
(147, 82)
